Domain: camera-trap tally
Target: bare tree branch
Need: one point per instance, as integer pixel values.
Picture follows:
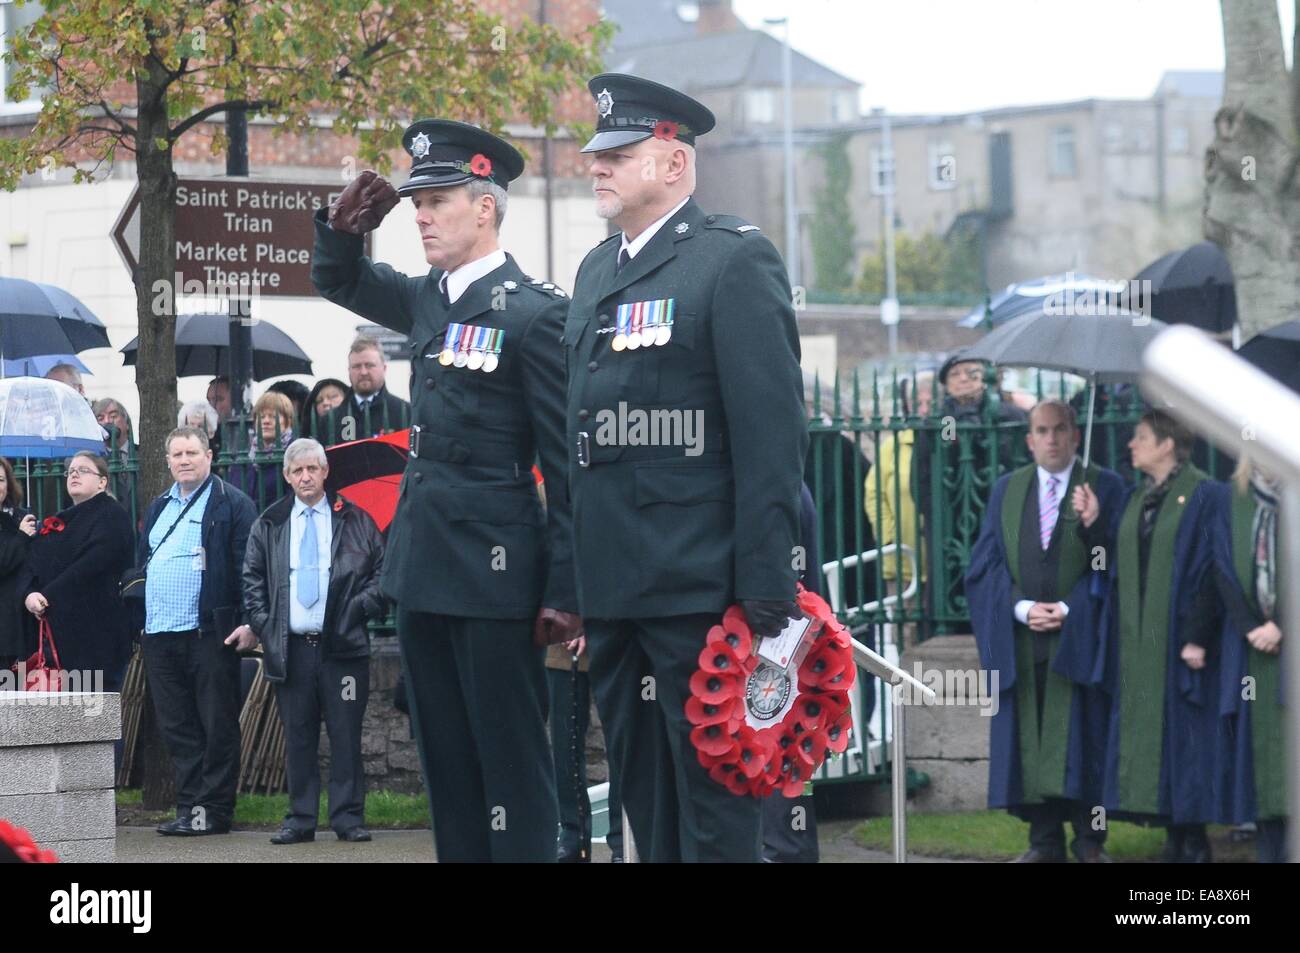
(253, 105)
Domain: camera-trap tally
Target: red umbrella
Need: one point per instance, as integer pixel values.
(368, 473)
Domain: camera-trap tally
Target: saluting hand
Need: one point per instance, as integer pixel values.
(363, 204)
(1085, 505)
(555, 625)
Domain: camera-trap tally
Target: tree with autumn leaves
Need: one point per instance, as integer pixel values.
(127, 79)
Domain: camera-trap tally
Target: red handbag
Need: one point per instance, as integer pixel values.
(40, 677)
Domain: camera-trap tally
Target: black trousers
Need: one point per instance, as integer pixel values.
(640, 669)
(477, 692)
(790, 830)
(574, 836)
(1270, 841)
(194, 681)
(337, 690)
(1047, 826)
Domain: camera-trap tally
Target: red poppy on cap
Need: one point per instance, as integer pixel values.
(713, 688)
(666, 129)
(480, 165)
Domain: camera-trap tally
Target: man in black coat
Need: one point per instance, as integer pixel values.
(373, 409)
(311, 581)
(192, 544)
(477, 569)
(688, 436)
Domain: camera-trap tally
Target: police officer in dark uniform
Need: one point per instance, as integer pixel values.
(478, 570)
(685, 319)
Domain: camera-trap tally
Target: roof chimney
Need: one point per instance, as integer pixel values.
(716, 16)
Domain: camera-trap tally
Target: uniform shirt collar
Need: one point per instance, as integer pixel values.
(455, 283)
(320, 508)
(643, 239)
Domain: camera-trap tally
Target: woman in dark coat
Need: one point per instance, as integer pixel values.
(17, 526)
(72, 575)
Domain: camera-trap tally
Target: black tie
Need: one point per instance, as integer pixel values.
(623, 258)
(446, 295)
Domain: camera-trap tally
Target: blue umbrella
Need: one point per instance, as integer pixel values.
(45, 419)
(38, 319)
(39, 365)
(1062, 292)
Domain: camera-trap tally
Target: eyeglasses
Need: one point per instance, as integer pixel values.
(83, 471)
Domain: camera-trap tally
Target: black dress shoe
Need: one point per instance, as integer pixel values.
(1093, 855)
(288, 835)
(176, 827)
(355, 835)
(577, 857)
(1036, 856)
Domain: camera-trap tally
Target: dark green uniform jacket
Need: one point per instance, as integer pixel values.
(470, 537)
(691, 508)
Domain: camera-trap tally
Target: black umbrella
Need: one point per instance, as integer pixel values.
(1192, 286)
(38, 319)
(1276, 352)
(1051, 294)
(203, 345)
(1099, 347)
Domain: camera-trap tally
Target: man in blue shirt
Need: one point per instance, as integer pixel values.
(193, 547)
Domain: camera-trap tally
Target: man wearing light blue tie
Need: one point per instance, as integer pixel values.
(311, 580)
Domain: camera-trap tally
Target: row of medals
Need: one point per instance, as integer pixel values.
(484, 361)
(647, 337)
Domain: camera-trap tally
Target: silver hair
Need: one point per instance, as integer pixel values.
(209, 412)
(301, 448)
(480, 187)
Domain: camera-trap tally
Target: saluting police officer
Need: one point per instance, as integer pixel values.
(476, 568)
(689, 314)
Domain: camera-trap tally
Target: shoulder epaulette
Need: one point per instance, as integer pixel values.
(731, 223)
(545, 287)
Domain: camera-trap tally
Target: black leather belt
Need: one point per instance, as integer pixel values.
(311, 638)
(426, 445)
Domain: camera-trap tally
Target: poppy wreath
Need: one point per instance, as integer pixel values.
(17, 845)
(784, 755)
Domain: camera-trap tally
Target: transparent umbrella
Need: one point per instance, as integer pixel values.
(45, 419)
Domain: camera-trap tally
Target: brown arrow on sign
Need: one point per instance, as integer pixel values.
(237, 230)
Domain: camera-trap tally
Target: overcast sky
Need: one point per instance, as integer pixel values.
(960, 55)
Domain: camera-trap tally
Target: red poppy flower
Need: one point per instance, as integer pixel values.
(51, 524)
(712, 688)
(811, 749)
(718, 659)
(733, 620)
(712, 739)
(820, 667)
(338, 505)
(702, 713)
(738, 640)
(842, 680)
(666, 130)
(480, 165)
(811, 711)
(837, 735)
(24, 848)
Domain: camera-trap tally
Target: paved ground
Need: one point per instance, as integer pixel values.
(143, 845)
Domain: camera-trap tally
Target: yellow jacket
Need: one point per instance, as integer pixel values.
(897, 508)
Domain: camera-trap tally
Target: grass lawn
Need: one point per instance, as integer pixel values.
(385, 810)
(996, 835)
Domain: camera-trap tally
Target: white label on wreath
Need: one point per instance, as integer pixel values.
(769, 694)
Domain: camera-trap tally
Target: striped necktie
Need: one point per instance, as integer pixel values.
(1047, 512)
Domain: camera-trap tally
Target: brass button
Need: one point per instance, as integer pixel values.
(604, 319)
(418, 477)
(592, 366)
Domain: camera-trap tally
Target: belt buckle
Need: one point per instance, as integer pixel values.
(311, 638)
(413, 441)
(584, 449)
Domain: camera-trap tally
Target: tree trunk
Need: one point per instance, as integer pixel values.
(1252, 194)
(155, 370)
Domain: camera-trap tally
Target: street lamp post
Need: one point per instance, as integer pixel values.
(791, 219)
(889, 306)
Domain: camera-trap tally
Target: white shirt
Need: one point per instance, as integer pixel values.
(455, 283)
(302, 619)
(1062, 481)
(643, 239)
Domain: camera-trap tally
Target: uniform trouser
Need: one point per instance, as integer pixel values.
(1270, 841)
(337, 690)
(1047, 826)
(571, 695)
(640, 669)
(790, 830)
(477, 692)
(194, 681)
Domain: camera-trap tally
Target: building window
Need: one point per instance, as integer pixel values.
(1061, 158)
(12, 19)
(760, 107)
(881, 173)
(1179, 140)
(844, 107)
(943, 166)
(1114, 137)
(1142, 139)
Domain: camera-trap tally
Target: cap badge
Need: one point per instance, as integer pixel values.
(420, 146)
(681, 228)
(604, 103)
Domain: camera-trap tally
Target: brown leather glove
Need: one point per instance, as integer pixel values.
(554, 626)
(363, 204)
